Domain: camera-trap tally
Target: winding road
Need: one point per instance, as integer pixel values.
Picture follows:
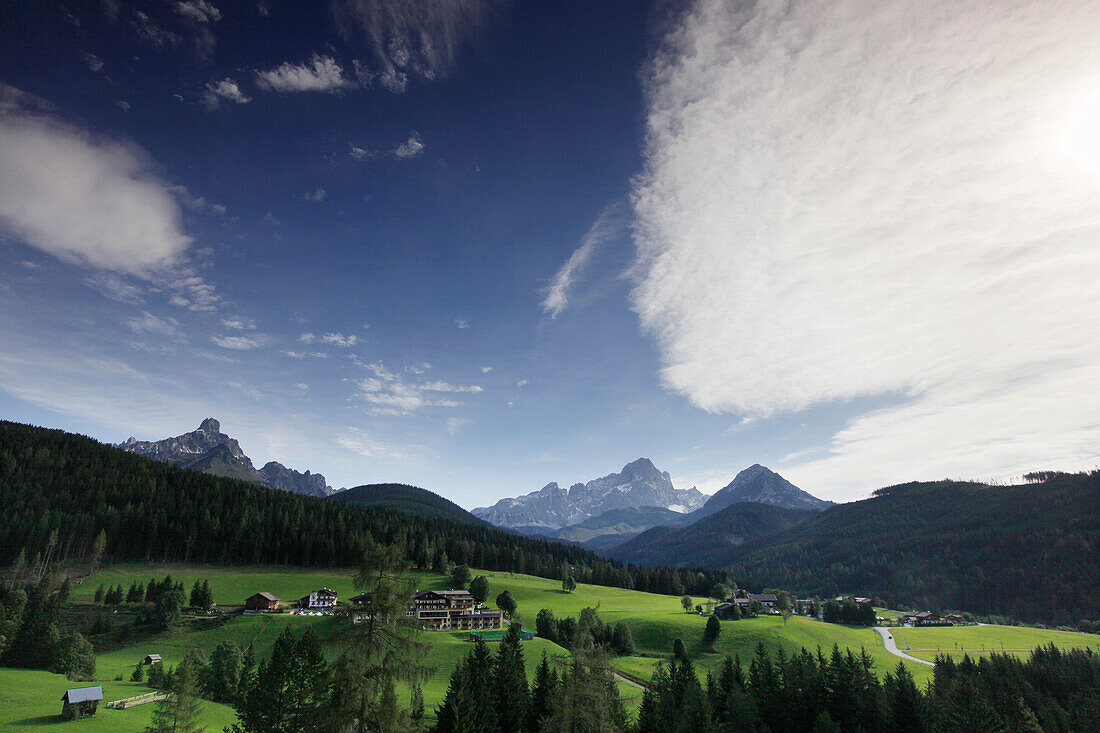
(892, 647)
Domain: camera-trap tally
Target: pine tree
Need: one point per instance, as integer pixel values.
(542, 693)
(479, 588)
(99, 594)
(679, 651)
(711, 632)
(138, 675)
(384, 647)
(510, 681)
(99, 545)
(179, 711)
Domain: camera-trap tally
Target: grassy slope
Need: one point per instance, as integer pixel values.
(30, 698)
(991, 637)
(654, 620)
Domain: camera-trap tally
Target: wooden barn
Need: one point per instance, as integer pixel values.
(80, 702)
(151, 659)
(262, 601)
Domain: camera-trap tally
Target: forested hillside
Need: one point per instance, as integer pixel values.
(408, 499)
(1029, 552)
(59, 491)
(709, 541)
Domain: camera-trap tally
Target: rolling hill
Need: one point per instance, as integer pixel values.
(709, 541)
(407, 499)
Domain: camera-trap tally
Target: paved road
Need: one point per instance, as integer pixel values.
(892, 647)
(632, 683)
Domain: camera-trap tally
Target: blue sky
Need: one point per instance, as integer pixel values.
(480, 246)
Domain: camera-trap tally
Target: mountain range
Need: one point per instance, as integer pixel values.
(212, 451)
(639, 484)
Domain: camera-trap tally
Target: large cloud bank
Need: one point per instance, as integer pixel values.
(850, 198)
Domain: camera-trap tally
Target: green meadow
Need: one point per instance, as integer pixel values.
(33, 699)
(655, 621)
(989, 638)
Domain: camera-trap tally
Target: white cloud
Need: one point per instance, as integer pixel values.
(214, 93)
(410, 148)
(388, 393)
(454, 424)
(115, 288)
(413, 39)
(461, 323)
(191, 291)
(360, 154)
(486, 369)
(147, 324)
(333, 339)
(84, 199)
(315, 195)
(319, 74)
(239, 343)
(303, 386)
(850, 199)
(608, 225)
(239, 323)
(95, 64)
(521, 383)
(303, 354)
(198, 11)
(363, 444)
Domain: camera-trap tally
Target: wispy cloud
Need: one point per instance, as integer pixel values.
(199, 11)
(116, 288)
(388, 393)
(239, 323)
(319, 74)
(147, 324)
(851, 199)
(486, 369)
(608, 225)
(410, 148)
(364, 444)
(226, 90)
(410, 40)
(461, 323)
(240, 343)
(360, 154)
(333, 339)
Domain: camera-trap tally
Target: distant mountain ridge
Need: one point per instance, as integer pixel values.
(212, 451)
(639, 484)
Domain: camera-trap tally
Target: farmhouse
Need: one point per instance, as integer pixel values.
(452, 610)
(768, 600)
(151, 659)
(320, 598)
(925, 618)
(262, 601)
(80, 702)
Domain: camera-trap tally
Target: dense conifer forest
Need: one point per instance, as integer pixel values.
(1025, 552)
(73, 489)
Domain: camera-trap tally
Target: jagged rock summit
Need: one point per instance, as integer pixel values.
(639, 484)
(210, 450)
(761, 485)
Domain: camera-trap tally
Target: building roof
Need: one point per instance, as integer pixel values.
(153, 657)
(264, 594)
(763, 597)
(444, 593)
(484, 614)
(329, 591)
(361, 598)
(83, 694)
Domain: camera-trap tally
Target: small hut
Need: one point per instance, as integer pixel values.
(151, 659)
(262, 601)
(80, 702)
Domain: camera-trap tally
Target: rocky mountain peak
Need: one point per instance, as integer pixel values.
(210, 450)
(639, 484)
(762, 485)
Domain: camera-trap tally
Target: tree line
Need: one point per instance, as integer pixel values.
(67, 497)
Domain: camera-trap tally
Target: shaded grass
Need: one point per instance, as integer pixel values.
(29, 698)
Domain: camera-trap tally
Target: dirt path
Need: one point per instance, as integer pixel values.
(892, 647)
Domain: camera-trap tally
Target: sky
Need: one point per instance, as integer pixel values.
(481, 245)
